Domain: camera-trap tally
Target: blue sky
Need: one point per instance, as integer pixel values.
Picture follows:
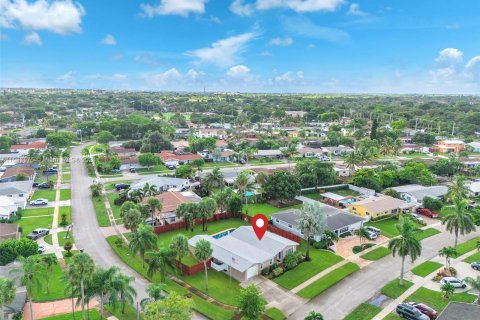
(325, 46)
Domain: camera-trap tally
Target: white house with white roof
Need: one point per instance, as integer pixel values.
(414, 193)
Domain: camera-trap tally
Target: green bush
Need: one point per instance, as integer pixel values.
(277, 271)
(290, 261)
(320, 245)
(360, 248)
(432, 204)
(10, 249)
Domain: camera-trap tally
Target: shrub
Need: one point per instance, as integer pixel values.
(265, 272)
(360, 248)
(68, 246)
(320, 245)
(290, 261)
(277, 271)
(10, 249)
(64, 221)
(432, 204)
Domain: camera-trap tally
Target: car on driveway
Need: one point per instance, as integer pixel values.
(456, 283)
(427, 212)
(374, 230)
(41, 249)
(43, 185)
(116, 171)
(38, 233)
(372, 235)
(170, 167)
(51, 171)
(408, 311)
(39, 202)
(122, 186)
(476, 265)
(426, 310)
(416, 217)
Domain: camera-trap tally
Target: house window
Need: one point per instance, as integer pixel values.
(20, 195)
(394, 210)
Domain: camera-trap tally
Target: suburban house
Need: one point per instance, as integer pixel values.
(448, 146)
(299, 114)
(179, 145)
(474, 188)
(227, 155)
(8, 311)
(163, 183)
(18, 191)
(11, 173)
(375, 207)
(341, 171)
(178, 157)
(25, 148)
(9, 231)
(125, 152)
(170, 201)
(272, 154)
(240, 254)
(308, 152)
(414, 193)
(8, 207)
(338, 221)
(336, 200)
(337, 151)
(211, 133)
(475, 146)
(129, 162)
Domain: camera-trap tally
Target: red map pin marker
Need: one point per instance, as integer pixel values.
(260, 225)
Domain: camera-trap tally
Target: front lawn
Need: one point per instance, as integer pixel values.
(259, 162)
(467, 246)
(364, 311)
(111, 185)
(328, 280)
(57, 286)
(66, 177)
(61, 238)
(209, 165)
(435, 299)
(115, 209)
(387, 226)
(313, 196)
(266, 209)
(426, 268)
(30, 224)
(37, 212)
(92, 314)
(101, 211)
(473, 258)
(275, 314)
(320, 260)
(426, 233)
(44, 194)
(65, 194)
(67, 210)
(376, 254)
(394, 290)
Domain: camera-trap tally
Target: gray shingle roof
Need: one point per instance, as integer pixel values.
(419, 192)
(458, 310)
(16, 187)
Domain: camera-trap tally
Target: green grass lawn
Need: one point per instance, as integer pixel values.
(61, 238)
(435, 298)
(113, 175)
(57, 286)
(394, 290)
(467, 246)
(115, 209)
(66, 177)
(93, 314)
(415, 155)
(275, 314)
(116, 310)
(29, 224)
(44, 194)
(320, 260)
(346, 192)
(389, 229)
(313, 196)
(190, 260)
(67, 210)
(101, 211)
(426, 268)
(376, 254)
(473, 258)
(258, 162)
(427, 233)
(328, 280)
(209, 165)
(37, 212)
(265, 208)
(157, 168)
(111, 185)
(65, 194)
(392, 316)
(364, 311)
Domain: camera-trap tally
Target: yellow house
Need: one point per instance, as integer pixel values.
(375, 207)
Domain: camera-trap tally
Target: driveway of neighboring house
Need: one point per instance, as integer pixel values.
(344, 246)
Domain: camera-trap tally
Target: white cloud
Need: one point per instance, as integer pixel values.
(238, 71)
(354, 10)
(32, 38)
(241, 8)
(109, 40)
(174, 7)
(304, 27)
(450, 55)
(59, 16)
(281, 41)
(285, 77)
(472, 63)
(223, 53)
(194, 74)
(163, 78)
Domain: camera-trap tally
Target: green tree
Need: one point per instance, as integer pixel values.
(448, 290)
(459, 220)
(104, 136)
(282, 185)
(223, 198)
(148, 160)
(60, 139)
(184, 171)
(311, 221)
(174, 307)
(103, 286)
(447, 252)
(351, 161)
(214, 179)
(154, 205)
(159, 260)
(392, 193)
(80, 270)
(126, 293)
(203, 252)
(243, 183)
(362, 234)
(206, 210)
(198, 164)
(251, 304)
(49, 260)
(367, 178)
(312, 315)
(7, 293)
(373, 130)
(179, 247)
(131, 217)
(406, 244)
(475, 284)
(155, 141)
(142, 240)
(458, 188)
(155, 291)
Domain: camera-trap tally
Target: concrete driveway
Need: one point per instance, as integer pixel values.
(463, 270)
(344, 246)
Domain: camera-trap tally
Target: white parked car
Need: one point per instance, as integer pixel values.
(416, 217)
(456, 283)
(39, 202)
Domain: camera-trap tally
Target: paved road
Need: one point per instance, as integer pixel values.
(341, 299)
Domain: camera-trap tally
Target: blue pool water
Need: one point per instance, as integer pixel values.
(222, 234)
(249, 193)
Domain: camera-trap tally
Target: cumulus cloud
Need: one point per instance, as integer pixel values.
(223, 53)
(450, 55)
(243, 8)
(238, 71)
(109, 40)
(32, 38)
(354, 10)
(174, 7)
(284, 77)
(281, 41)
(163, 78)
(59, 16)
(472, 63)
(194, 74)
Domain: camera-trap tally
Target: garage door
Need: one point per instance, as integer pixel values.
(253, 271)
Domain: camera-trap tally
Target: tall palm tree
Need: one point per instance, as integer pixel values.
(155, 291)
(458, 188)
(179, 247)
(203, 252)
(447, 252)
(243, 184)
(248, 153)
(223, 198)
(459, 220)
(311, 221)
(206, 210)
(136, 195)
(351, 160)
(49, 260)
(7, 293)
(475, 283)
(363, 234)
(183, 211)
(103, 286)
(159, 260)
(212, 180)
(126, 293)
(155, 205)
(142, 241)
(149, 190)
(31, 270)
(81, 268)
(406, 244)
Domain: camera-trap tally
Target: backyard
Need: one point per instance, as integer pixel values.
(265, 208)
(29, 224)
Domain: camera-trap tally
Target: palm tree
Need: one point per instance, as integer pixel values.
(155, 291)
(458, 189)
(149, 190)
(136, 195)
(102, 285)
(31, 269)
(330, 236)
(132, 218)
(7, 293)
(447, 252)
(223, 198)
(126, 293)
(142, 241)
(155, 205)
(311, 221)
(159, 260)
(312, 315)
(351, 161)
(248, 153)
(406, 244)
(49, 261)
(363, 234)
(459, 220)
(183, 211)
(243, 184)
(206, 210)
(203, 252)
(81, 269)
(447, 290)
(179, 247)
(212, 180)
(475, 283)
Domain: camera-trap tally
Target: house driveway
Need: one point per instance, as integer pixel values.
(276, 296)
(344, 246)
(463, 270)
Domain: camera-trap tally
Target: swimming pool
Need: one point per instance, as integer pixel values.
(223, 233)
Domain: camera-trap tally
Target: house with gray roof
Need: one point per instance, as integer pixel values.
(414, 193)
(240, 254)
(10, 310)
(460, 310)
(163, 183)
(19, 191)
(338, 221)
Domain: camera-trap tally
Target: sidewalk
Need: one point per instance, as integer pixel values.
(56, 209)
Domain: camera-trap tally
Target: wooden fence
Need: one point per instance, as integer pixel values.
(191, 270)
(284, 233)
